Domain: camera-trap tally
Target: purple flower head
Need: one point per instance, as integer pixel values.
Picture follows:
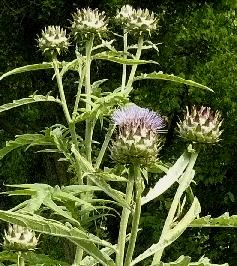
(137, 140)
(134, 116)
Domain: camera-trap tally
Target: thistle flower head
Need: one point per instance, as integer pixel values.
(53, 40)
(137, 141)
(87, 21)
(18, 238)
(201, 125)
(136, 21)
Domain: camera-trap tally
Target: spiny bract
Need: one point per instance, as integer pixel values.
(201, 125)
(53, 40)
(137, 140)
(19, 238)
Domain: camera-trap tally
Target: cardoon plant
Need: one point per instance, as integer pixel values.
(134, 139)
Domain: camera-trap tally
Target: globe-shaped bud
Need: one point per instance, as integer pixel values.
(87, 22)
(137, 139)
(201, 125)
(18, 238)
(53, 40)
(136, 21)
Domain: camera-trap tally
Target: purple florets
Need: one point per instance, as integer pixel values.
(134, 116)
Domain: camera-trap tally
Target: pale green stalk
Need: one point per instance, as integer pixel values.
(125, 49)
(61, 90)
(71, 124)
(78, 256)
(20, 261)
(78, 96)
(134, 67)
(174, 205)
(89, 122)
(104, 146)
(133, 172)
(136, 218)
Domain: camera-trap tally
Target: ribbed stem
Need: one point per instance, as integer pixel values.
(125, 49)
(134, 67)
(174, 205)
(104, 146)
(136, 218)
(89, 122)
(61, 90)
(78, 256)
(125, 216)
(20, 261)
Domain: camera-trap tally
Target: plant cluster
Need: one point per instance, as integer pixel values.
(69, 210)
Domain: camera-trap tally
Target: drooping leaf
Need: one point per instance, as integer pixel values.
(118, 196)
(173, 233)
(186, 261)
(32, 259)
(224, 220)
(23, 140)
(54, 228)
(160, 75)
(27, 69)
(30, 99)
(77, 189)
(120, 59)
(172, 175)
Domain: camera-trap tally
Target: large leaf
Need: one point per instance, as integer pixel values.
(160, 75)
(169, 179)
(120, 59)
(222, 221)
(186, 261)
(31, 99)
(54, 228)
(173, 234)
(46, 65)
(23, 140)
(118, 196)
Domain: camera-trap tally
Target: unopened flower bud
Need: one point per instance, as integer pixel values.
(136, 21)
(201, 125)
(87, 22)
(53, 40)
(137, 140)
(19, 238)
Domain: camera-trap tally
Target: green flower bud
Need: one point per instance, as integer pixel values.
(137, 141)
(53, 40)
(201, 125)
(136, 21)
(87, 22)
(18, 238)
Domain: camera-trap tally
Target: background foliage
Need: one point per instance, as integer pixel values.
(197, 40)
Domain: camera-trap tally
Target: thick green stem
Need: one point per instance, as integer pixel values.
(21, 261)
(125, 216)
(78, 256)
(134, 67)
(104, 146)
(125, 49)
(80, 84)
(89, 122)
(170, 218)
(61, 90)
(136, 218)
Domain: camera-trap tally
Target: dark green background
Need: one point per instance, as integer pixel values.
(198, 40)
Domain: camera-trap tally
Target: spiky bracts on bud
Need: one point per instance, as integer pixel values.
(53, 40)
(201, 125)
(19, 238)
(136, 21)
(87, 22)
(137, 140)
